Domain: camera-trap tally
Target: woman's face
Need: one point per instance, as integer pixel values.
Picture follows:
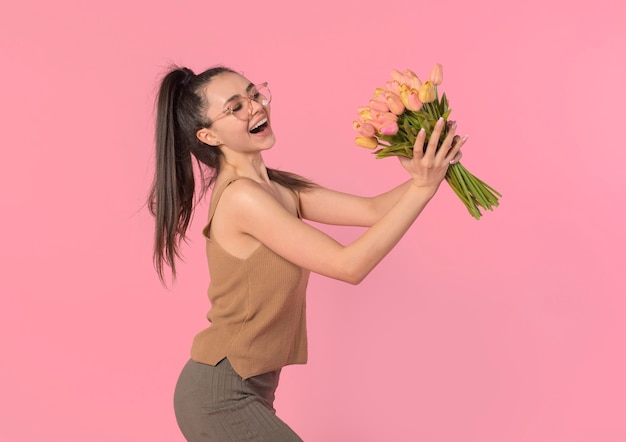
(239, 123)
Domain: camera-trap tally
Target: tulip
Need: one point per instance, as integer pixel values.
(403, 92)
(427, 92)
(389, 128)
(395, 103)
(413, 101)
(380, 106)
(393, 86)
(414, 81)
(436, 74)
(385, 116)
(367, 142)
(398, 76)
(365, 129)
(382, 120)
(376, 123)
(379, 94)
(364, 112)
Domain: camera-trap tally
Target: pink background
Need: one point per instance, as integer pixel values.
(506, 329)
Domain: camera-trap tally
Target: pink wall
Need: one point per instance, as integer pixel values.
(506, 329)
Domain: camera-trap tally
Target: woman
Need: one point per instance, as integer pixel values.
(259, 250)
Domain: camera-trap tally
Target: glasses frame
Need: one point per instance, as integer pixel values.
(250, 99)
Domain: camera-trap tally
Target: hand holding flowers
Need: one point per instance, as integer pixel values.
(397, 114)
(429, 164)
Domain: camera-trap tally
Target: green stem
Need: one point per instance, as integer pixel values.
(472, 207)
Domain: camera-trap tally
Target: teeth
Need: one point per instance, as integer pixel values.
(263, 121)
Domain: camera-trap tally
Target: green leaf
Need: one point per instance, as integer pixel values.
(444, 103)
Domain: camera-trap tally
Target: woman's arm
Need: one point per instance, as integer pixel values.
(328, 206)
(254, 212)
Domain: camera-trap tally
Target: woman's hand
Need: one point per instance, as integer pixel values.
(429, 168)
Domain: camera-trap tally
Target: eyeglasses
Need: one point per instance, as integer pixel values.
(241, 107)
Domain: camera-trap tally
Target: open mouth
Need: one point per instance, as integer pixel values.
(259, 127)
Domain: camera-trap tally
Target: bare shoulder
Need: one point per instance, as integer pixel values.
(244, 191)
(243, 206)
(245, 200)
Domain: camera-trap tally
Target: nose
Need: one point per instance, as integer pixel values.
(253, 106)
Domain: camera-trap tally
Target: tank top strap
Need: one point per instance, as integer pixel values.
(217, 194)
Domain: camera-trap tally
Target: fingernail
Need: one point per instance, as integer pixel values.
(440, 122)
(422, 131)
(465, 138)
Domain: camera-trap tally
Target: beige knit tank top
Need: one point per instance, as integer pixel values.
(258, 309)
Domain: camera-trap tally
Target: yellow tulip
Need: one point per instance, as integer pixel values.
(367, 142)
(403, 91)
(379, 94)
(436, 74)
(426, 93)
(364, 112)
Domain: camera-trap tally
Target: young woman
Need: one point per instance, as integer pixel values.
(259, 250)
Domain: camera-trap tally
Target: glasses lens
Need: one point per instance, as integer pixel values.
(262, 94)
(239, 107)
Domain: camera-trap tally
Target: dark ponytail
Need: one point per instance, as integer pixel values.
(180, 114)
(181, 109)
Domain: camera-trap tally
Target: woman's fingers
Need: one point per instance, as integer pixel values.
(448, 153)
(454, 155)
(418, 146)
(434, 139)
(457, 157)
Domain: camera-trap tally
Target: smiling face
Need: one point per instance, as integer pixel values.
(238, 123)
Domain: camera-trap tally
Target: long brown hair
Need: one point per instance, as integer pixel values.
(181, 109)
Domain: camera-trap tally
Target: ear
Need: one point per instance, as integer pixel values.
(207, 137)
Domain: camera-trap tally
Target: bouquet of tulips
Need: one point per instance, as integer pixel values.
(393, 118)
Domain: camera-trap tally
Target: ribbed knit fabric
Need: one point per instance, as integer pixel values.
(258, 309)
(215, 404)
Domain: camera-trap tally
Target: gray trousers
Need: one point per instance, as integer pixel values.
(216, 404)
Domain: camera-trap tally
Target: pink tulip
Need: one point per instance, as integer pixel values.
(385, 116)
(395, 103)
(365, 129)
(427, 92)
(413, 101)
(436, 74)
(377, 123)
(389, 128)
(367, 142)
(380, 106)
(393, 86)
(398, 76)
(414, 81)
(382, 119)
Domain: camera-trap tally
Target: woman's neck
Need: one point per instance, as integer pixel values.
(247, 166)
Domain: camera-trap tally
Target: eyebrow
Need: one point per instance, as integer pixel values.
(248, 89)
